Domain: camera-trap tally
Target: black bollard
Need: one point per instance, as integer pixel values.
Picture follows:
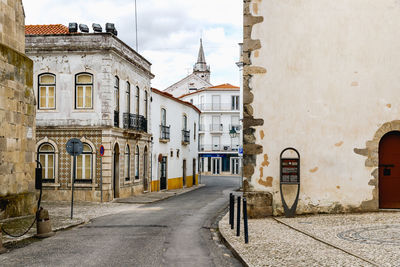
(231, 209)
(238, 217)
(246, 227)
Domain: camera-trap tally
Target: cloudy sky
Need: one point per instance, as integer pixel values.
(168, 31)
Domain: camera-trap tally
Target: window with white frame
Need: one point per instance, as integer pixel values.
(84, 91)
(47, 91)
(116, 93)
(84, 165)
(145, 104)
(137, 100)
(127, 161)
(128, 97)
(235, 102)
(137, 163)
(46, 157)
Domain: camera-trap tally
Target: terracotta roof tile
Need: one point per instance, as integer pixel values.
(46, 29)
(227, 86)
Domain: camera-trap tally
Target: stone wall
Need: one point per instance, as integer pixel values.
(17, 116)
(320, 76)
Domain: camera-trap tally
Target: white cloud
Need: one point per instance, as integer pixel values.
(168, 31)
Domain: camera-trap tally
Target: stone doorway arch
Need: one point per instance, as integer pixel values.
(389, 171)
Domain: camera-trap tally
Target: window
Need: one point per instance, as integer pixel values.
(137, 163)
(184, 122)
(194, 131)
(83, 91)
(127, 161)
(137, 100)
(47, 91)
(116, 94)
(235, 102)
(128, 97)
(47, 159)
(163, 117)
(84, 165)
(191, 101)
(145, 104)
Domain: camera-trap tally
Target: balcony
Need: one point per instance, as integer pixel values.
(216, 127)
(134, 122)
(219, 148)
(116, 118)
(164, 133)
(217, 107)
(185, 137)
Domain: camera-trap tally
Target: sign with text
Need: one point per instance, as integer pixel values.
(290, 168)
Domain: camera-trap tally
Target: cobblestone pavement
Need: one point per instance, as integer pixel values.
(60, 212)
(367, 239)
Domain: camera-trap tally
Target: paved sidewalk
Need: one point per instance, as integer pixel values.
(367, 239)
(60, 212)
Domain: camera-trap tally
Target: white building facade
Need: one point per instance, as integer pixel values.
(175, 142)
(219, 128)
(93, 87)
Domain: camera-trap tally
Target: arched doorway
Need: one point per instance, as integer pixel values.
(145, 181)
(116, 171)
(389, 171)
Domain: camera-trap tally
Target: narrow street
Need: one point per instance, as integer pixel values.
(175, 232)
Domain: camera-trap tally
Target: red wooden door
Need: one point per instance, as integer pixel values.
(389, 171)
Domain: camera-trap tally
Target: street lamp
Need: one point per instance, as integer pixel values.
(233, 132)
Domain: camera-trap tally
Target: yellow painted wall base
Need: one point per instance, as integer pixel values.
(175, 183)
(155, 185)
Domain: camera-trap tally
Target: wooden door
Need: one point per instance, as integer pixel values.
(163, 178)
(389, 171)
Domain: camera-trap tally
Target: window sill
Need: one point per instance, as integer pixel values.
(83, 185)
(164, 140)
(51, 185)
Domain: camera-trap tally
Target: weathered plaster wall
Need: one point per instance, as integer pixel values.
(17, 116)
(324, 78)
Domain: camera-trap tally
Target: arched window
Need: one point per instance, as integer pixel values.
(84, 165)
(128, 97)
(127, 161)
(47, 159)
(184, 122)
(194, 131)
(83, 91)
(163, 117)
(47, 91)
(137, 100)
(137, 163)
(145, 104)
(116, 93)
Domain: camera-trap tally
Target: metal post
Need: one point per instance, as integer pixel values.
(238, 217)
(101, 179)
(246, 227)
(73, 182)
(231, 209)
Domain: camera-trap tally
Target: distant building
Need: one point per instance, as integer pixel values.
(220, 117)
(175, 142)
(322, 77)
(93, 87)
(17, 116)
(199, 79)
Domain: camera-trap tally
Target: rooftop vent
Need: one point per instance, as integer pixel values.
(96, 27)
(83, 28)
(111, 28)
(73, 27)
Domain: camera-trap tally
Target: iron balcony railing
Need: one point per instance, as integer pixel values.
(116, 118)
(216, 127)
(217, 107)
(186, 136)
(218, 147)
(164, 132)
(135, 122)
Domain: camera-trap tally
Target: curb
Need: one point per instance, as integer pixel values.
(226, 243)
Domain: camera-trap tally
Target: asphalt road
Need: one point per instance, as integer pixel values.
(179, 231)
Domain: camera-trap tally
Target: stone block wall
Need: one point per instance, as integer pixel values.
(17, 116)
